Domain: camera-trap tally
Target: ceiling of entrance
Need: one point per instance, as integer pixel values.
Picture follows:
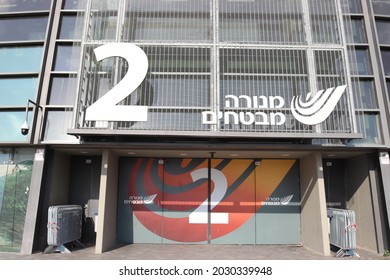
(191, 153)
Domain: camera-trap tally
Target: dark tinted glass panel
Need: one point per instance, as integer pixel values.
(16, 91)
(388, 88)
(29, 5)
(63, 90)
(352, 6)
(364, 94)
(20, 59)
(23, 29)
(68, 28)
(370, 127)
(386, 61)
(67, 58)
(57, 123)
(358, 34)
(361, 63)
(74, 4)
(383, 30)
(381, 7)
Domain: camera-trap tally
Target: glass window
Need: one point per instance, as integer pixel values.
(358, 34)
(386, 61)
(383, 30)
(20, 59)
(369, 123)
(364, 94)
(63, 90)
(360, 62)
(381, 7)
(353, 7)
(388, 88)
(56, 125)
(10, 126)
(16, 91)
(23, 29)
(67, 58)
(19, 6)
(15, 179)
(68, 28)
(74, 4)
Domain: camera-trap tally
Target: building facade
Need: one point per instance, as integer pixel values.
(195, 121)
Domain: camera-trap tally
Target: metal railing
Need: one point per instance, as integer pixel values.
(342, 231)
(63, 226)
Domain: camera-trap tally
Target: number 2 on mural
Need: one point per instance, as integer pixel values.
(106, 108)
(200, 215)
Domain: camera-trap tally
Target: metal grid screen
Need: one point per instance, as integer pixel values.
(220, 67)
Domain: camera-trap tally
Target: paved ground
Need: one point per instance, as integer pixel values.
(194, 252)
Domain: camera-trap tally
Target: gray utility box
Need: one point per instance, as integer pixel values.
(64, 225)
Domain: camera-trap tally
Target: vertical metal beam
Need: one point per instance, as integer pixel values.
(310, 52)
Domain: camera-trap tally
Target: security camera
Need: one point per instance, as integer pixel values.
(24, 129)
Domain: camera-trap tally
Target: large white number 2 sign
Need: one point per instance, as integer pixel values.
(106, 108)
(200, 215)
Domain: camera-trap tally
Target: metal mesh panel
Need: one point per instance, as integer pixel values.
(257, 85)
(269, 21)
(324, 21)
(222, 67)
(169, 21)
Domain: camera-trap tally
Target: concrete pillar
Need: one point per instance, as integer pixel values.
(314, 221)
(32, 204)
(363, 197)
(384, 162)
(106, 222)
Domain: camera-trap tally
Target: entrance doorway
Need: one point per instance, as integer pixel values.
(84, 191)
(208, 201)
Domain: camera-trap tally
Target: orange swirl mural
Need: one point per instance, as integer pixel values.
(171, 199)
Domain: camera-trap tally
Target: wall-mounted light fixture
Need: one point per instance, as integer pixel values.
(25, 128)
